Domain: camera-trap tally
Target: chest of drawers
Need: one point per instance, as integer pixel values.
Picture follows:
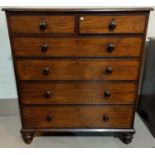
(77, 70)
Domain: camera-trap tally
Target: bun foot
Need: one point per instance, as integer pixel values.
(126, 138)
(27, 137)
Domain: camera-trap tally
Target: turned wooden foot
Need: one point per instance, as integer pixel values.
(27, 137)
(126, 138)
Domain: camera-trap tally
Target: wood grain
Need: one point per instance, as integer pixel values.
(30, 24)
(77, 117)
(72, 93)
(77, 47)
(77, 69)
(125, 24)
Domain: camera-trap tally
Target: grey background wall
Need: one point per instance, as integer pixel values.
(7, 79)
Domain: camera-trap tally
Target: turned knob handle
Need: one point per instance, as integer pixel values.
(49, 117)
(108, 70)
(43, 24)
(107, 94)
(110, 48)
(112, 25)
(105, 118)
(46, 71)
(44, 47)
(48, 94)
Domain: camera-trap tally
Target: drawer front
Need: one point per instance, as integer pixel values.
(77, 69)
(77, 117)
(42, 24)
(112, 24)
(69, 93)
(74, 47)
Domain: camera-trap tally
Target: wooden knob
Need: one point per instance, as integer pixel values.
(107, 94)
(112, 25)
(110, 48)
(46, 71)
(48, 94)
(44, 47)
(49, 117)
(108, 70)
(43, 24)
(105, 118)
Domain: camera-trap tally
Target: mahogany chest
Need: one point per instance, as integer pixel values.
(77, 70)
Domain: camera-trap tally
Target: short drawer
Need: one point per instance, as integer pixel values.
(77, 93)
(42, 24)
(77, 47)
(112, 24)
(77, 117)
(77, 69)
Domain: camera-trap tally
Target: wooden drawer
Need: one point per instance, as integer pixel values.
(77, 69)
(77, 117)
(112, 24)
(42, 24)
(77, 47)
(77, 93)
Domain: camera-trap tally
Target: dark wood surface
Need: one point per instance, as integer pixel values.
(124, 24)
(77, 47)
(30, 24)
(99, 9)
(77, 117)
(80, 93)
(77, 69)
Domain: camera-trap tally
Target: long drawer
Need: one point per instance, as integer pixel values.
(112, 24)
(77, 117)
(77, 93)
(42, 24)
(77, 69)
(77, 47)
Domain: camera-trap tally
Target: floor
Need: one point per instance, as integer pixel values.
(10, 137)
